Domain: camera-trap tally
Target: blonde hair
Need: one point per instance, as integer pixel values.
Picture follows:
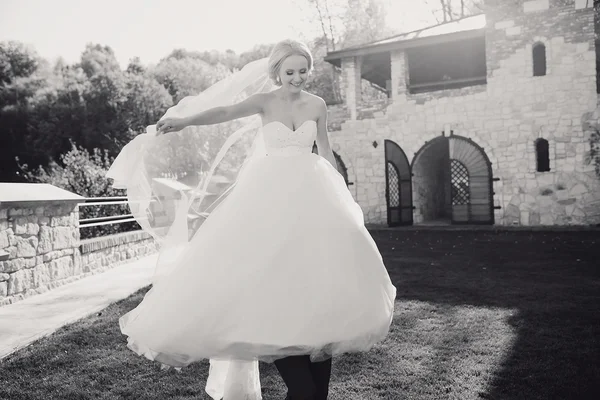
(283, 50)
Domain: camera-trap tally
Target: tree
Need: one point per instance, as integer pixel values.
(451, 10)
(16, 103)
(259, 51)
(146, 101)
(135, 67)
(324, 78)
(118, 104)
(16, 60)
(185, 73)
(364, 22)
(326, 21)
(98, 60)
(56, 113)
(104, 96)
(17, 65)
(93, 103)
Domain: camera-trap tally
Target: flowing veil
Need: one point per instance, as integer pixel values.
(175, 181)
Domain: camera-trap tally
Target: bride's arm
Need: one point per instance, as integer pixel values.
(323, 144)
(252, 105)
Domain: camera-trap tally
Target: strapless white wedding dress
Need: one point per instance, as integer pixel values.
(284, 266)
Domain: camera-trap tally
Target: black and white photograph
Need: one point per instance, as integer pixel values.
(299, 200)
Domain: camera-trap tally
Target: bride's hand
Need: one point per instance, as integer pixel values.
(170, 125)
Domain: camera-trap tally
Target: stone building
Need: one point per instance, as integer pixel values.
(486, 120)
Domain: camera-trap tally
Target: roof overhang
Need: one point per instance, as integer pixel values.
(335, 57)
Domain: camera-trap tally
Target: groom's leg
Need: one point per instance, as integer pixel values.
(296, 374)
(321, 372)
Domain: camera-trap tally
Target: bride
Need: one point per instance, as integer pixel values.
(281, 268)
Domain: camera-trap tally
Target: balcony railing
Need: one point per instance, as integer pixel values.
(106, 220)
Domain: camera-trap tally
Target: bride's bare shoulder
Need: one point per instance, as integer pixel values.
(316, 101)
(313, 98)
(268, 98)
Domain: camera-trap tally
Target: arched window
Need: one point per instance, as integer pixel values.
(539, 59)
(460, 182)
(394, 185)
(542, 155)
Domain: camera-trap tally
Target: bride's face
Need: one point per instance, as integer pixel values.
(294, 73)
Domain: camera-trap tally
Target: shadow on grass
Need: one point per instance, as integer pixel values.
(532, 301)
(479, 315)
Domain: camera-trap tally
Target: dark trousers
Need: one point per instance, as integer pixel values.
(304, 379)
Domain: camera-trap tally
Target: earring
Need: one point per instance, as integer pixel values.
(278, 81)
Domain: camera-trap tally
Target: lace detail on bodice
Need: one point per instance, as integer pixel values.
(282, 141)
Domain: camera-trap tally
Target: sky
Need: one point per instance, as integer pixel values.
(151, 29)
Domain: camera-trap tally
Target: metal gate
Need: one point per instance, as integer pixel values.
(471, 183)
(398, 186)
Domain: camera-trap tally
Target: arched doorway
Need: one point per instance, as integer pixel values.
(398, 186)
(453, 182)
(431, 183)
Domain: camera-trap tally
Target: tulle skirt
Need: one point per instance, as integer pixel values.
(284, 266)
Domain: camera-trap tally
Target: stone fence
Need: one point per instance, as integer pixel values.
(40, 247)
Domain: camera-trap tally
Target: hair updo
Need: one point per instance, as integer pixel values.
(283, 50)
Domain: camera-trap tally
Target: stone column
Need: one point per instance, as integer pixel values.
(39, 237)
(351, 75)
(399, 75)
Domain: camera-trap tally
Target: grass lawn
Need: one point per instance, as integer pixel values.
(479, 315)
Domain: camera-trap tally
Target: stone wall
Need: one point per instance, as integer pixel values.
(40, 242)
(102, 253)
(336, 115)
(339, 113)
(504, 117)
(44, 251)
